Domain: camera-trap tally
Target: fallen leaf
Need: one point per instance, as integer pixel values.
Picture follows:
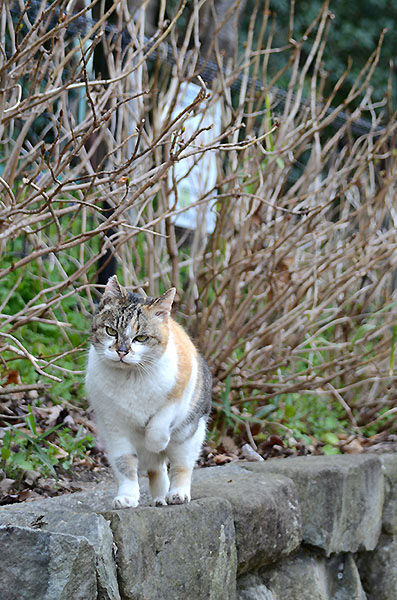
(6, 484)
(31, 477)
(49, 414)
(273, 440)
(221, 459)
(353, 447)
(13, 377)
(229, 444)
(25, 495)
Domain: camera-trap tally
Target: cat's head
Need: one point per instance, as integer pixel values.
(128, 329)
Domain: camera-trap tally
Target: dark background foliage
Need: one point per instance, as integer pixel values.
(354, 33)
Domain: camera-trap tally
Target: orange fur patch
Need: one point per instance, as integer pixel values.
(154, 476)
(164, 334)
(180, 476)
(155, 327)
(186, 353)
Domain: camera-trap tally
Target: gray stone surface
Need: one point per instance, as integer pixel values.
(184, 552)
(378, 569)
(341, 498)
(265, 510)
(389, 465)
(243, 517)
(250, 587)
(306, 575)
(48, 516)
(39, 565)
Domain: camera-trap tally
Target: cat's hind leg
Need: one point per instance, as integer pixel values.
(183, 456)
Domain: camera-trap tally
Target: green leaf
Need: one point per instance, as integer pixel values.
(5, 453)
(20, 460)
(290, 411)
(45, 460)
(31, 423)
(329, 450)
(265, 411)
(330, 438)
(48, 432)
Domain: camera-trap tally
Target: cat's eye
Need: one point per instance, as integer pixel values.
(141, 338)
(111, 331)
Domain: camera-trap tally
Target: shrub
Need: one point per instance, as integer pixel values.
(291, 297)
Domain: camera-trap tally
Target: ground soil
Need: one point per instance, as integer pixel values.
(92, 467)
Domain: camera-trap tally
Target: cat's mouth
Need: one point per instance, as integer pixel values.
(118, 360)
(125, 360)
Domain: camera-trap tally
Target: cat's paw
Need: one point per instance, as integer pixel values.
(159, 501)
(124, 501)
(156, 442)
(178, 496)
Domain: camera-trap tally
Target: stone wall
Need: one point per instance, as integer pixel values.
(308, 528)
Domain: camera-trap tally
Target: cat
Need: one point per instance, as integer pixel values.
(150, 390)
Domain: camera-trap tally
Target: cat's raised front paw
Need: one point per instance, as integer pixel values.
(178, 497)
(124, 501)
(156, 442)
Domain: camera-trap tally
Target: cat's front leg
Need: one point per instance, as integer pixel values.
(124, 461)
(126, 470)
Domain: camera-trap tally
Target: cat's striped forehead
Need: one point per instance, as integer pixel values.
(124, 312)
(130, 315)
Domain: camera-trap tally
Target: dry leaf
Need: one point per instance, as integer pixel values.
(229, 444)
(6, 484)
(49, 414)
(353, 447)
(61, 453)
(13, 377)
(221, 459)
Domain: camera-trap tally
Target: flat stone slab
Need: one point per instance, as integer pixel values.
(378, 569)
(305, 575)
(176, 552)
(245, 519)
(250, 587)
(389, 466)
(341, 498)
(265, 507)
(257, 514)
(47, 516)
(39, 565)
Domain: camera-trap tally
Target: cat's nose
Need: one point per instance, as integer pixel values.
(122, 350)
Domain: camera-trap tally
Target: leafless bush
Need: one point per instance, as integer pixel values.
(293, 290)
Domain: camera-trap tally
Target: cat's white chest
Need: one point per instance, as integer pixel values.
(130, 394)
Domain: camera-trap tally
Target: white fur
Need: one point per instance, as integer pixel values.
(132, 418)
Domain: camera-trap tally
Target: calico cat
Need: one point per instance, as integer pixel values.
(151, 393)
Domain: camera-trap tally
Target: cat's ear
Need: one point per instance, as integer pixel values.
(113, 289)
(162, 306)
